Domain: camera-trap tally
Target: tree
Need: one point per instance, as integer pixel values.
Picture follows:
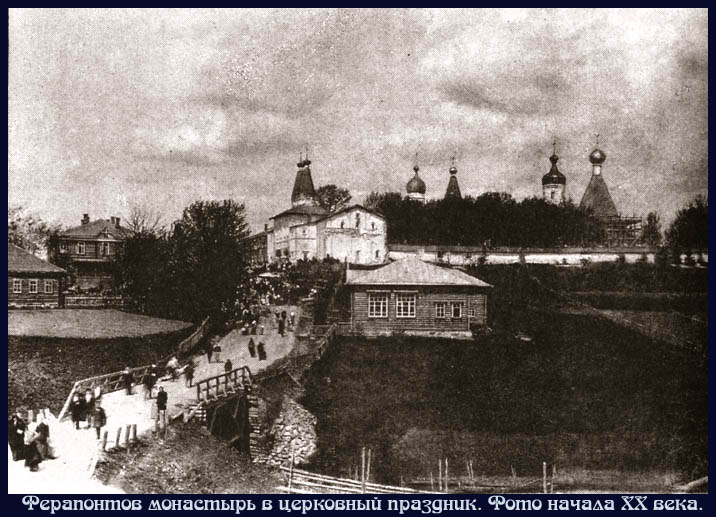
(144, 220)
(651, 233)
(208, 259)
(28, 231)
(689, 230)
(332, 198)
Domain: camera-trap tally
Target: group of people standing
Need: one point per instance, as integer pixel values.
(88, 409)
(29, 442)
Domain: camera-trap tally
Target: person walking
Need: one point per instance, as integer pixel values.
(209, 351)
(77, 409)
(127, 380)
(16, 435)
(150, 378)
(88, 405)
(98, 418)
(162, 399)
(217, 352)
(33, 458)
(252, 347)
(189, 373)
(262, 351)
(281, 327)
(228, 366)
(42, 438)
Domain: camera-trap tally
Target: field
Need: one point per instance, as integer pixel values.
(584, 394)
(87, 324)
(49, 350)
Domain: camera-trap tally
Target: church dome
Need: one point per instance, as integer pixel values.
(416, 185)
(554, 177)
(597, 157)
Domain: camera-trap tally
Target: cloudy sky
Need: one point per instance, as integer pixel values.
(112, 109)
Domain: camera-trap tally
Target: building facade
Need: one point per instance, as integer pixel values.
(306, 231)
(32, 282)
(413, 297)
(88, 252)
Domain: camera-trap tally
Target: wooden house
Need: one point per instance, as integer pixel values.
(31, 281)
(413, 297)
(88, 252)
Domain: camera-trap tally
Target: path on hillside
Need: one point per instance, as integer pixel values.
(76, 448)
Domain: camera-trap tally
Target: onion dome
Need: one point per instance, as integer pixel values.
(597, 157)
(416, 185)
(554, 177)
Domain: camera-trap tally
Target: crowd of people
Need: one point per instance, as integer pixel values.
(29, 441)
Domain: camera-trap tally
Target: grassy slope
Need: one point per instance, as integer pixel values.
(585, 393)
(87, 324)
(188, 461)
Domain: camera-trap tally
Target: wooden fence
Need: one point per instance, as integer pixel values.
(190, 342)
(304, 482)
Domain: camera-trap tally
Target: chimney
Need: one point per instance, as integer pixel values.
(85, 218)
(265, 227)
(116, 222)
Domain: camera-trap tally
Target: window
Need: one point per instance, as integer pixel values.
(372, 226)
(377, 254)
(551, 194)
(377, 305)
(405, 306)
(17, 286)
(440, 309)
(49, 287)
(471, 312)
(63, 247)
(457, 310)
(343, 224)
(33, 285)
(80, 248)
(105, 248)
(357, 220)
(357, 256)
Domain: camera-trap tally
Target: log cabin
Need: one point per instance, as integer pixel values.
(31, 281)
(413, 297)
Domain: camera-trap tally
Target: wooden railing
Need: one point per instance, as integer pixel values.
(109, 382)
(196, 336)
(304, 482)
(224, 384)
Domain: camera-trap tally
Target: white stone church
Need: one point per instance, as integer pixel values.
(307, 231)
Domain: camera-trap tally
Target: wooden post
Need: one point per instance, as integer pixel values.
(104, 440)
(290, 467)
(362, 471)
(432, 486)
(118, 437)
(367, 470)
(440, 475)
(447, 478)
(127, 431)
(544, 477)
(134, 432)
(514, 475)
(554, 474)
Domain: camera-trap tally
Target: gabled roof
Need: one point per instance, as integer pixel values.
(597, 197)
(95, 229)
(353, 207)
(413, 271)
(302, 210)
(21, 261)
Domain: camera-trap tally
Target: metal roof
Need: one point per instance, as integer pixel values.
(21, 261)
(413, 271)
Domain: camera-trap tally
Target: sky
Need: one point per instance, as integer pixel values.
(109, 110)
